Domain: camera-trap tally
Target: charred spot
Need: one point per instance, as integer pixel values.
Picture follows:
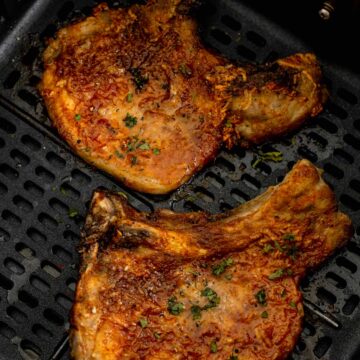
(139, 79)
(130, 238)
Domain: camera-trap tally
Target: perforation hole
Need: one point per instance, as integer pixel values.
(215, 180)
(336, 280)
(20, 158)
(334, 171)
(190, 206)
(12, 79)
(7, 126)
(64, 301)
(80, 177)
(272, 56)
(221, 36)
(30, 349)
(351, 304)
(14, 266)
(4, 235)
(343, 155)
(61, 253)
(251, 182)
(25, 251)
(204, 194)
(42, 332)
(322, 346)
(326, 296)
(48, 221)
(71, 284)
(71, 236)
(239, 196)
(6, 283)
(30, 56)
(318, 140)
(224, 206)
(52, 316)
(3, 189)
(39, 284)
(304, 152)
(65, 10)
(34, 81)
(347, 96)
(355, 185)
(69, 191)
(231, 23)
(327, 125)
(35, 235)
(262, 167)
(51, 269)
(49, 31)
(34, 189)
(16, 314)
(58, 206)
(350, 202)
(309, 330)
(346, 264)
(353, 247)
(336, 110)
(8, 172)
(246, 53)
(11, 218)
(31, 143)
(2, 143)
(28, 97)
(55, 160)
(6, 330)
(28, 299)
(22, 204)
(255, 38)
(45, 175)
(224, 164)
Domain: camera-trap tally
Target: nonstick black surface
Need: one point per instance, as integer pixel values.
(44, 189)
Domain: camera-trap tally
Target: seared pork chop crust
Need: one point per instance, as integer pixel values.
(163, 285)
(135, 93)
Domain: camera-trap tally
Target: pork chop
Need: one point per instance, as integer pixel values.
(197, 286)
(135, 93)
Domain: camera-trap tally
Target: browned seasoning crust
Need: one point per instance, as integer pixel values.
(196, 286)
(134, 92)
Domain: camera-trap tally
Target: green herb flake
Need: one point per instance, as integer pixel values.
(77, 117)
(228, 124)
(283, 293)
(138, 79)
(267, 248)
(133, 160)
(118, 154)
(228, 277)
(233, 357)
(264, 315)
(289, 237)
(278, 246)
(185, 70)
(73, 213)
(292, 304)
(143, 323)
(277, 274)
(130, 121)
(220, 268)
(196, 312)
(213, 347)
(144, 146)
(156, 151)
(212, 297)
(129, 97)
(261, 297)
(157, 335)
(174, 307)
(275, 156)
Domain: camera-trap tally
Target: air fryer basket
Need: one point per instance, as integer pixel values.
(45, 189)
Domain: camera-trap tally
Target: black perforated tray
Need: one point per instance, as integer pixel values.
(44, 189)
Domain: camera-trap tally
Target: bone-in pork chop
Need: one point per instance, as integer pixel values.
(197, 286)
(135, 93)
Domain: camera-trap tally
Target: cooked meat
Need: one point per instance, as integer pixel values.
(134, 92)
(192, 286)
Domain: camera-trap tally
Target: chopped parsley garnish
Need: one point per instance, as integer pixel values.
(292, 304)
(264, 315)
(213, 347)
(144, 146)
(277, 274)
(185, 70)
(138, 79)
(289, 237)
(130, 121)
(156, 151)
(275, 156)
(157, 335)
(233, 357)
(267, 248)
(212, 297)
(133, 160)
(143, 323)
(283, 293)
(118, 154)
(278, 246)
(196, 312)
(174, 307)
(228, 124)
(77, 117)
(129, 97)
(73, 213)
(220, 268)
(261, 297)
(228, 277)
